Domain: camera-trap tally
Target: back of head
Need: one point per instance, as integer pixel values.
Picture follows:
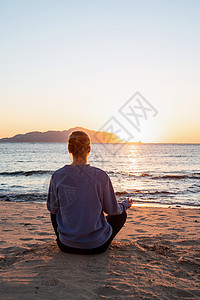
(78, 143)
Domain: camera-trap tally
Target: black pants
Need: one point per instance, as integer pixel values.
(116, 222)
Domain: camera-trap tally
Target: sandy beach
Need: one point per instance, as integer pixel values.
(155, 256)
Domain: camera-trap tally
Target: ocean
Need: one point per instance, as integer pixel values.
(151, 174)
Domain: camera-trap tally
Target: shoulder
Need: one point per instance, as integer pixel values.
(98, 171)
(59, 172)
(98, 175)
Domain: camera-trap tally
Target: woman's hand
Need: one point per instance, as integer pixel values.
(130, 201)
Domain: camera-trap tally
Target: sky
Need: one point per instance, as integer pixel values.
(77, 63)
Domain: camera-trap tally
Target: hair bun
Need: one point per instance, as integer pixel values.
(78, 143)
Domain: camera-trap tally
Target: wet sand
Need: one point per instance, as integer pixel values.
(155, 256)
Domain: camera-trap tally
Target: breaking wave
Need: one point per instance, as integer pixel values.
(195, 175)
(26, 173)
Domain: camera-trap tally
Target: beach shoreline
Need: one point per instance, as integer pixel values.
(155, 256)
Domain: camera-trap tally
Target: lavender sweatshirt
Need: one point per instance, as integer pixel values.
(78, 195)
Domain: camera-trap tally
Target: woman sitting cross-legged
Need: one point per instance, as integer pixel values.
(78, 197)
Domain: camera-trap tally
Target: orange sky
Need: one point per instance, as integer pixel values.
(67, 64)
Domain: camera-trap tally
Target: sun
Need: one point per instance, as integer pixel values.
(148, 133)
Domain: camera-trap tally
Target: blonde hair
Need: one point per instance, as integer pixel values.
(78, 143)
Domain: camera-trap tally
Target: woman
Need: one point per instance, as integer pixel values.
(78, 197)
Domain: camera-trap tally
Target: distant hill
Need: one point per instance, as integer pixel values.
(61, 137)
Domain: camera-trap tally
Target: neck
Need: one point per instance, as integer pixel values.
(79, 161)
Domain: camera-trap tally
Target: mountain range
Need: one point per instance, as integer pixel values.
(52, 136)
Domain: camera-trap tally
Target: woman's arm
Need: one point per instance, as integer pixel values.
(109, 201)
(52, 199)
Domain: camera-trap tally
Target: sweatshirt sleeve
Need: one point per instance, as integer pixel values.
(52, 199)
(109, 202)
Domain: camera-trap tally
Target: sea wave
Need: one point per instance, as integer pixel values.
(183, 176)
(195, 175)
(42, 198)
(26, 173)
(143, 192)
(30, 197)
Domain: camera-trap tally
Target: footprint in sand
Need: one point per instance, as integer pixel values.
(44, 240)
(43, 233)
(136, 223)
(50, 281)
